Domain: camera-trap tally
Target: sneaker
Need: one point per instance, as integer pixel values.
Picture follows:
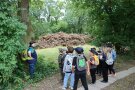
(114, 74)
(63, 88)
(92, 82)
(110, 75)
(104, 81)
(71, 88)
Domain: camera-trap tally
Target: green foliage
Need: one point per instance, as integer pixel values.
(44, 68)
(105, 20)
(11, 33)
(76, 17)
(45, 16)
(109, 20)
(41, 28)
(60, 26)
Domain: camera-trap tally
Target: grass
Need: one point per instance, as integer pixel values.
(52, 53)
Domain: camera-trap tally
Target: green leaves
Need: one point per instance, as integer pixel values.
(11, 33)
(105, 20)
(2, 66)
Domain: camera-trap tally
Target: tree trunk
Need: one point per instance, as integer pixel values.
(23, 13)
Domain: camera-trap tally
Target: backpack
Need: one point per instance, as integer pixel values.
(61, 60)
(109, 60)
(81, 63)
(24, 55)
(96, 59)
(114, 54)
(68, 63)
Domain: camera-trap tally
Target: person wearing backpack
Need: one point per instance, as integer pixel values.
(61, 57)
(67, 69)
(79, 67)
(111, 56)
(92, 64)
(33, 54)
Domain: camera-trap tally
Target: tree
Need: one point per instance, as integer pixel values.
(76, 16)
(23, 13)
(110, 20)
(46, 16)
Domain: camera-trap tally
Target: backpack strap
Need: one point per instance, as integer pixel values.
(63, 58)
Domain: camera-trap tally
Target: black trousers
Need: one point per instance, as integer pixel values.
(93, 75)
(81, 76)
(99, 67)
(105, 74)
(111, 69)
(105, 71)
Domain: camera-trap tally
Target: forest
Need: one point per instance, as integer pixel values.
(24, 20)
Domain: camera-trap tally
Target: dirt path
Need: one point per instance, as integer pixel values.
(53, 83)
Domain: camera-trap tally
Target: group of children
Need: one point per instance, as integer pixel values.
(75, 65)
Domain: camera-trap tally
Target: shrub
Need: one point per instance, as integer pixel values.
(44, 68)
(11, 32)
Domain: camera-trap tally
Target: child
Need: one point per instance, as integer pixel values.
(92, 66)
(79, 67)
(104, 65)
(67, 69)
(111, 56)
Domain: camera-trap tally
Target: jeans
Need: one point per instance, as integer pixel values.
(32, 69)
(81, 76)
(66, 77)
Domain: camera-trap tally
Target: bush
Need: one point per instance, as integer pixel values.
(11, 32)
(20, 77)
(44, 68)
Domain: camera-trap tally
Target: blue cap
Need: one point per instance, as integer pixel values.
(79, 50)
